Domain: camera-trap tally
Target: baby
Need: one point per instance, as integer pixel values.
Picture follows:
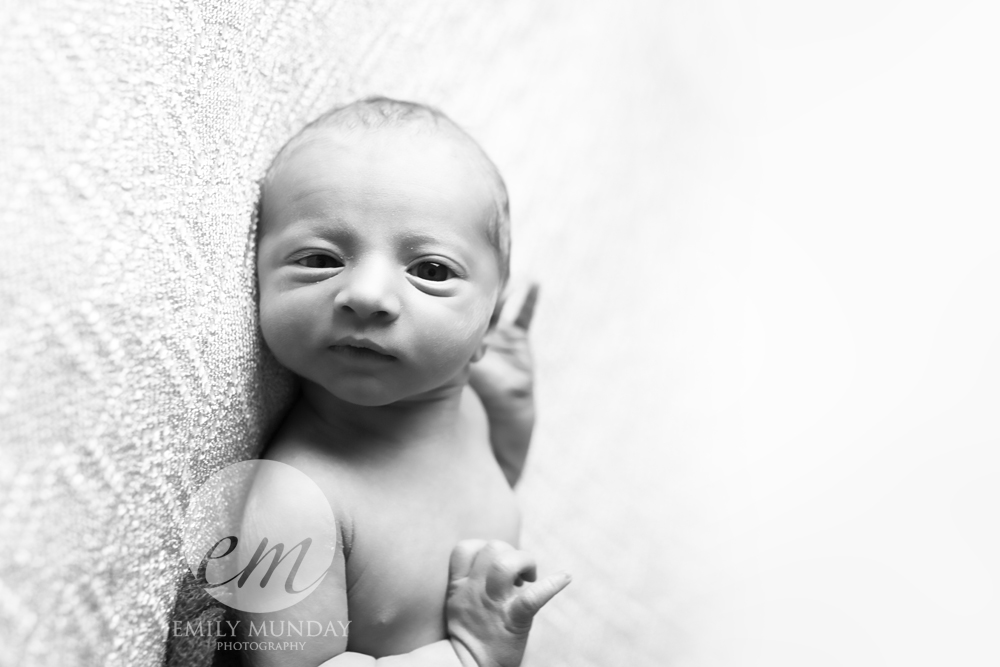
(382, 253)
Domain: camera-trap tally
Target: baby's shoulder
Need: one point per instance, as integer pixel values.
(299, 447)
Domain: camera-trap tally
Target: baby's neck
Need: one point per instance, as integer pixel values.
(421, 419)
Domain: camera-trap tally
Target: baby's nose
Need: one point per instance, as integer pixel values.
(369, 293)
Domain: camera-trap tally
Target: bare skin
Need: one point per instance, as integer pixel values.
(379, 289)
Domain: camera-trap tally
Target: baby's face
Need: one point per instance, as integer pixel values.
(377, 276)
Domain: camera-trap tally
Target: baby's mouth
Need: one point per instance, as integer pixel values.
(360, 352)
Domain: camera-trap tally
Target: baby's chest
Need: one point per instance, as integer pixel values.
(397, 568)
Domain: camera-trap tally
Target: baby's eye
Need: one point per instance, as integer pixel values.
(432, 271)
(320, 262)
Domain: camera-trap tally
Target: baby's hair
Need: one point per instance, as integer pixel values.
(375, 113)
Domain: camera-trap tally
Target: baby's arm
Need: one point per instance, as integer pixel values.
(504, 381)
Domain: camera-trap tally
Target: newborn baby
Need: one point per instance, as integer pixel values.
(382, 253)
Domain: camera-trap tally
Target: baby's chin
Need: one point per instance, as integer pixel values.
(376, 395)
(360, 395)
(366, 399)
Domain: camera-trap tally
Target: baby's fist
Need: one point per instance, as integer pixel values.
(491, 600)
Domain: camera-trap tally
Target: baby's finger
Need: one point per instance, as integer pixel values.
(517, 306)
(527, 311)
(463, 556)
(535, 596)
(508, 570)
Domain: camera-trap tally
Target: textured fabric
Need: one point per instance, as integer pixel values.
(133, 137)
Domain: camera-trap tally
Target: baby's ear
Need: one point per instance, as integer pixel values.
(494, 318)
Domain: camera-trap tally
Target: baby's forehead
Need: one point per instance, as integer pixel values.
(413, 149)
(383, 169)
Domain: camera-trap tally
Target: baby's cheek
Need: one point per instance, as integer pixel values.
(280, 330)
(455, 344)
(477, 324)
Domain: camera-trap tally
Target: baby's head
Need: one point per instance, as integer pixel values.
(382, 249)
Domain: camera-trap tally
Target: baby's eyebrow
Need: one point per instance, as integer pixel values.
(418, 238)
(320, 229)
(328, 227)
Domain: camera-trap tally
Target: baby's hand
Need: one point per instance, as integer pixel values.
(504, 381)
(490, 606)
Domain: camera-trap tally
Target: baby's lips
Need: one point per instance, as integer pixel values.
(364, 343)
